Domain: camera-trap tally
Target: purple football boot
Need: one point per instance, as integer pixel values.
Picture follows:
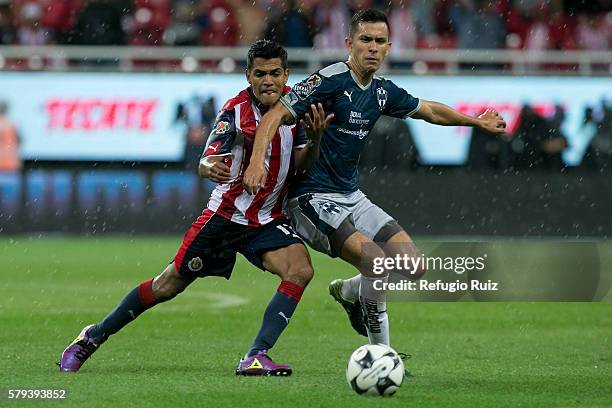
(261, 364)
(75, 355)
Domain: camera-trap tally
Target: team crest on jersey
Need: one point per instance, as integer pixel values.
(381, 95)
(222, 127)
(305, 88)
(195, 264)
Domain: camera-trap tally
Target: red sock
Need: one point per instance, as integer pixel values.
(291, 289)
(145, 293)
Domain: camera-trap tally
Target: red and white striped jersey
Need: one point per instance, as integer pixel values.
(233, 136)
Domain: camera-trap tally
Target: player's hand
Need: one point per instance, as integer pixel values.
(254, 178)
(215, 170)
(315, 122)
(492, 122)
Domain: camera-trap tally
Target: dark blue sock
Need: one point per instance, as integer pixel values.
(276, 317)
(133, 304)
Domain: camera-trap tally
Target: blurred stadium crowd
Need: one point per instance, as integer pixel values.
(464, 24)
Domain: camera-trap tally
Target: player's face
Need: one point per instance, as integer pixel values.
(369, 46)
(267, 78)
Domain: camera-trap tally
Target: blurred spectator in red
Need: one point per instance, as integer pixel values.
(29, 28)
(218, 23)
(59, 16)
(537, 37)
(290, 25)
(594, 32)
(100, 23)
(356, 5)
(403, 25)
(332, 19)
(8, 34)
(182, 29)
(561, 30)
(251, 19)
(56, 16)
(149, 21)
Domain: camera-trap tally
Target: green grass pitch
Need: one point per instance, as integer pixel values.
(183, 353)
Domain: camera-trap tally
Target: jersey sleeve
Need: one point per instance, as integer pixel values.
(316, 88)
(221, 139)
(399, 103)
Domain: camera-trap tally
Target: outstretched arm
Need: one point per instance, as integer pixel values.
(440, 114)
(255, 175)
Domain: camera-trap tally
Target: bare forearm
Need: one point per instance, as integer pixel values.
(305, 157)
(446, 116)
(263, 137)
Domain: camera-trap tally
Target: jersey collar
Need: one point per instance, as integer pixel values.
(262, 108)
(363, 87)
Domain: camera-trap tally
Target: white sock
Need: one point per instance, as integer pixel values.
(350, 288)
(373, 303)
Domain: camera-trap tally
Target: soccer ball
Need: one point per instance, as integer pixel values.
(375, 369)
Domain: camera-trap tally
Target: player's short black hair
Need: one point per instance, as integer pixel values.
(367, 16)
(266, 49)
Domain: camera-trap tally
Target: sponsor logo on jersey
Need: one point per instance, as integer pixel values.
(349, 95)
(307, 87)
(359, 133)
(221, 127)
(381, 95)
(195, 264)
(355, 119)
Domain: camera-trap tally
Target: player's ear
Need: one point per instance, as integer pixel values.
(248, 76)
(387, 49)
(348, 42)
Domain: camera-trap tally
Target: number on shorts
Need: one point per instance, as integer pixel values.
(287, 231)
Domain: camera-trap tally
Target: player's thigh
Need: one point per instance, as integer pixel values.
(373, 221)
(290, 263)
(278, 249)
(321, 221)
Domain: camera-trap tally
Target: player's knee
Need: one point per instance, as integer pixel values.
(300, 275)
(169, 284)
(418, 271)
(371, 255)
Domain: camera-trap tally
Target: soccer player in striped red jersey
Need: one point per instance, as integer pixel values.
(235, 221)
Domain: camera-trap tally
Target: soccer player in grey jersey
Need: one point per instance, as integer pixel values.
(327, 208)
